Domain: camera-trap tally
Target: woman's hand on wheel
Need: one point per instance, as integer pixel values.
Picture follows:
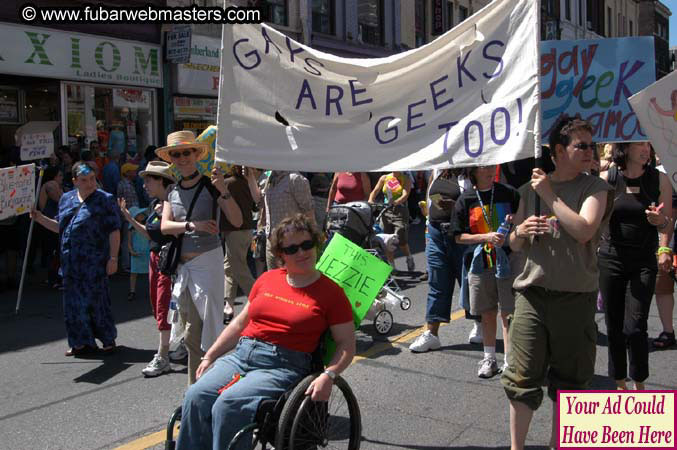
(202, 368)
(320, 388)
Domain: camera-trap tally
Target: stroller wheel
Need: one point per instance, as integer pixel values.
(383, 322)
(405, 303)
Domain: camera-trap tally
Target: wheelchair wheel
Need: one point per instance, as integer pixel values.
(405, 303)
(383, 322)
(170, 442)
(308, 425)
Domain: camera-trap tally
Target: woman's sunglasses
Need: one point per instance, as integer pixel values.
(186, 153)
(292, 249)
(585, 146)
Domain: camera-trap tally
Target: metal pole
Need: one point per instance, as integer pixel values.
(28, 244)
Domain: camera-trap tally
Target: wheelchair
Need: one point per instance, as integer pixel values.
(295, 422)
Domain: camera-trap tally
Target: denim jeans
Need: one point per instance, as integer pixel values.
(445, 258)
(210, 420)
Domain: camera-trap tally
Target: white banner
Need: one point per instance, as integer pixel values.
(469, 97)
(37, 146)
(656, 109)
(17, 190)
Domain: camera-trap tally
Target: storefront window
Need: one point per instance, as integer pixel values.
(9, 105)
(121, 119)
(194, 114)
(323, 16)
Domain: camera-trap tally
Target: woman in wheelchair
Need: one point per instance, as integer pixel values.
(288, 311)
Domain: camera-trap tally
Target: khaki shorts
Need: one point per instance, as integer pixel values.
(396, 221)
(488, 293)
(664, 283)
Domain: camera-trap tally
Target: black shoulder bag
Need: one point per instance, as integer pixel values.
(170, 255)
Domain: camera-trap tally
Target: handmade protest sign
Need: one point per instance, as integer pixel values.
(469, 97)
(656, 109)
(17, 190)
(593, 79)
(359, 273)
(37, 146)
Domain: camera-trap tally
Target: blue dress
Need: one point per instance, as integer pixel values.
(141, 245)
(84, 232)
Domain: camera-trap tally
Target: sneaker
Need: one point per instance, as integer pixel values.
(416, 221)
(410, 264)
(488, 367)
(157, 366)
(475, 336)
(179, 354)
(504, 367)
(426, 341)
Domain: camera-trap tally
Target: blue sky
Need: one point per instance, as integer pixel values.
(672, 4)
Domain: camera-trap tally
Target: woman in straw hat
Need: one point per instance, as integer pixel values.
(157, 179)
(189, 214)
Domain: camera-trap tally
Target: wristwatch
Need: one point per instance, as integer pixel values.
(331, 374)
(189, 227)
(226, 195)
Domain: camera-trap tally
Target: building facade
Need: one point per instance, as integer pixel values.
(654, 19)
(99, 82)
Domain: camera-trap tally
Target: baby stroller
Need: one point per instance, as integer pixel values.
(355, 221)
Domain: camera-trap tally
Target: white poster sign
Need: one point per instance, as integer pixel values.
(656, 109)
(37, 146)
(469, 97)
(200, 76)
(17, 190)
(29, 50)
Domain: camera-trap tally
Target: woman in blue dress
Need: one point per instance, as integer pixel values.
(88, 224)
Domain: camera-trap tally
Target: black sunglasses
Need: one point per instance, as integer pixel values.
(177, 155)
(584, 146)
(292, 249)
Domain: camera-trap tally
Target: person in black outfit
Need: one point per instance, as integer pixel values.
(639, 224)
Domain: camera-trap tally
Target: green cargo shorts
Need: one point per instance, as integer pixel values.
(553, 335)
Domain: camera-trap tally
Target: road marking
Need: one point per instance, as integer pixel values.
(157, 438)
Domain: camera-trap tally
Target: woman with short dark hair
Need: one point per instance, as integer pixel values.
(288, 311)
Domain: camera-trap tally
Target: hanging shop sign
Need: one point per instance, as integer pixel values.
(201, 75)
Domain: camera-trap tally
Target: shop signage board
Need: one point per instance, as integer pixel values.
(33, 51)
(178, 44)
(594, 79)
(438, 16)
(468, 98)
(17, 190)
(37, 145)
(201, 75)
(195, 108)
(131, 98)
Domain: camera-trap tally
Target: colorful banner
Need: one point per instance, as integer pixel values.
(593, 79)
(360, 274)
(17, 190)
(656, 109)
(469, 97)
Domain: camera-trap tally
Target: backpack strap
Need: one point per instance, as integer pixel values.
(613, 176)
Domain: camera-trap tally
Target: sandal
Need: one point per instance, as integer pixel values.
(664, 340)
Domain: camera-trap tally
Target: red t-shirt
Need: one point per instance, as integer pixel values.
(349, 188)
(294, 318)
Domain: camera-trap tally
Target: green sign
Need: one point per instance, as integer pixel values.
(359, 273)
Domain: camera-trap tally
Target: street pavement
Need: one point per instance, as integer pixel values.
(425, 401)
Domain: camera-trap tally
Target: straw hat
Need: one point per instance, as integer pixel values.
(160, 169)
(179, 140)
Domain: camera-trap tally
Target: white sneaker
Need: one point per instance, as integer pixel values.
(475, 336)
(426, 341)
(179, 354)
(157, 366)
(416, 221)
(410, 264)
(488, 367)
(504, 367)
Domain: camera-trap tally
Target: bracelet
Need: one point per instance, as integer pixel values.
(331, 374)
(226, 196)
(662, 250)
(204, 358)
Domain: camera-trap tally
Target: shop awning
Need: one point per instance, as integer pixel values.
(33, 128)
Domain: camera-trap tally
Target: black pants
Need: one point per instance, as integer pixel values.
(627, 285)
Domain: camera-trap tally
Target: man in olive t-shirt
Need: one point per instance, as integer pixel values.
(553, 332)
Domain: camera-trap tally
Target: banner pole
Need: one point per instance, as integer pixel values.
(538, 153)
(28, 244)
